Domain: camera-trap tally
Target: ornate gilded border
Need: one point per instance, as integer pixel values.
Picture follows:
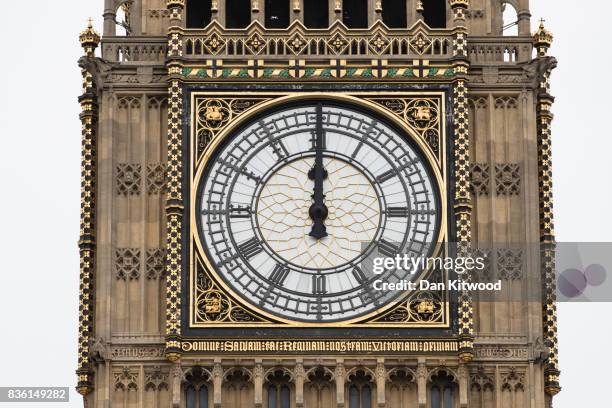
(332, 70)
(87, 238)
(462, 196)
(547, 233)
(542, 40)
(421, 113)
(174, 194)
(178, 73)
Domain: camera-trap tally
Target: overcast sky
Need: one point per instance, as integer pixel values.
(40, 180)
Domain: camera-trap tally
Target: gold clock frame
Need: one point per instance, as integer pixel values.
(227, 120)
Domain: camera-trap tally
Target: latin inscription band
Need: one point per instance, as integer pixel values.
(323, 346)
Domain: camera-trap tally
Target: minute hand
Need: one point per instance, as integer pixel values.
(318, 211)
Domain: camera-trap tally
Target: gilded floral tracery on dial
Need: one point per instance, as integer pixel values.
(213, 114)
(421, 114)
(212, 305)
(422, 307)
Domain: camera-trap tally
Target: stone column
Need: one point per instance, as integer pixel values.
(524, 18)
(340, 374)
(421, 374)
(258, 11)
(463, 386)
(177, 379)
(418, 10)
(217, 383)
(300, 376)
(110, 16)
(214, 10)
(297, 10)
(381, 382)
(335, 10)
(258, 380)
(374, 11)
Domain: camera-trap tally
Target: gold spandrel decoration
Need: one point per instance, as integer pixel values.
(422, 306)
(421, 114)
(213, 114)
(213, 305)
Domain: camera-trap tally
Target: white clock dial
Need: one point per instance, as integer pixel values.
(292, 205)
(284, 223)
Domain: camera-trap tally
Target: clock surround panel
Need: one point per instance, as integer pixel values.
(216, 117)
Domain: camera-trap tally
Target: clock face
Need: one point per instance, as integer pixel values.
(293, 207)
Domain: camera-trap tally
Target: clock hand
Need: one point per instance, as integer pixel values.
(318, 211)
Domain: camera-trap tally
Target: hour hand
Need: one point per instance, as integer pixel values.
(318, 210)
(318, 215)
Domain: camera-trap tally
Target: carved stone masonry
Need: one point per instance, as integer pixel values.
(126, 380)
(507, 179)
(509, 263)
(485, 272)
(129, 178)
(156, 380)
(481, 178)
(127, 263)
(480, 380)
(155, 263)
(156, 178)
(513, 380)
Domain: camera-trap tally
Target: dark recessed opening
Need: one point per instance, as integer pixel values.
(355, 13)
(198, 13)
(394, 13)
(238, 13)
(277, 13)
(316, 13)
(435, 13)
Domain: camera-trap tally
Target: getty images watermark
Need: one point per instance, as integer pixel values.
(411, 265)
(499, 272)
(34, 394)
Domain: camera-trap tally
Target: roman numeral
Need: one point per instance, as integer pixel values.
(319, 284)
(359, 275)
(279, 149)
(387, 175)
(387, 248)
(313, 140)
(279, 274)
(250, 248)
(240, 211)
(398, 212)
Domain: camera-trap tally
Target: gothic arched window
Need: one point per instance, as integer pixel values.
(355, 13)
(316, 13)
(360, 390)
(434, 13)
(510, 19)
(442, 391)
(279, 393)
(394, 13)
(196, 393)
(199, 13)
(277, 13)
(122, 19)
(197, 399)
(237, 13)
